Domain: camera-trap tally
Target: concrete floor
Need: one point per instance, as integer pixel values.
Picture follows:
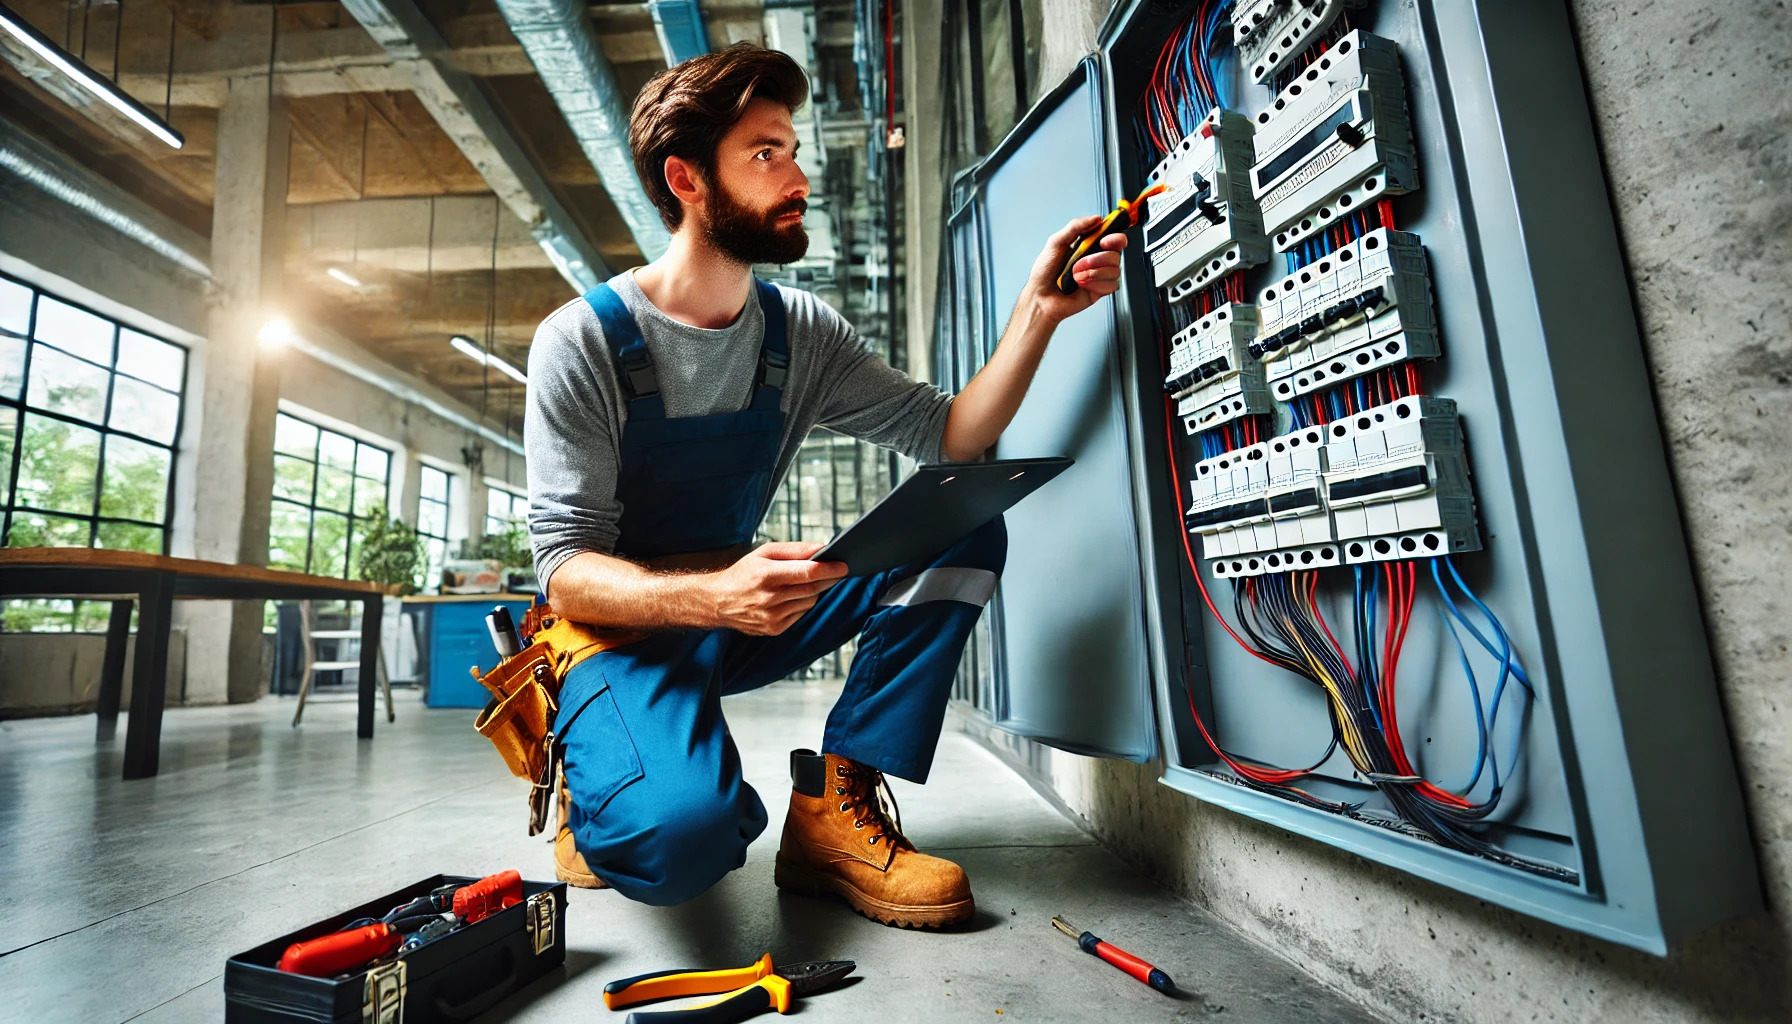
(122, 901)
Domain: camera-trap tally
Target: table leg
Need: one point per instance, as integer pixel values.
(371, 610)
(149, 676)
(118, 634)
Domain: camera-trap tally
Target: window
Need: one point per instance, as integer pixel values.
(432, 521)
(325, 485)
(90, 416)
(503, 508)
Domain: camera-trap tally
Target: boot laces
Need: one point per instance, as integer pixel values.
(865, 791)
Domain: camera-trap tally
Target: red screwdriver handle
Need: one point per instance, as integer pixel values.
(488, 896)
(340, 951)
(1120, 958)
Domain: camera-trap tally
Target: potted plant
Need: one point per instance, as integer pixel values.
(391, 553)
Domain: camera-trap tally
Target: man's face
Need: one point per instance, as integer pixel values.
(754, 211)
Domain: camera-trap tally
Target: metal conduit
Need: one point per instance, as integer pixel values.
(55, 175)
(558, 37)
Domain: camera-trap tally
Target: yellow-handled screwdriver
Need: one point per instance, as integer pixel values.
(1086, 243)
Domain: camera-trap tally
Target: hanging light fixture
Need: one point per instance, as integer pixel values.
(84, 76)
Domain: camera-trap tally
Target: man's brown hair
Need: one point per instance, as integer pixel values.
(686, 109)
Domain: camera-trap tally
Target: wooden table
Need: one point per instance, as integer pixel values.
(154, 582)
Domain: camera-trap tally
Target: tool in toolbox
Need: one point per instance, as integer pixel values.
(404, 927)
(1118, 957)
(1086, 243)
(749, 990)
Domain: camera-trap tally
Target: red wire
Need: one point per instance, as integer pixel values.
(1402, 585)
(1275, 776)
(1386, 208)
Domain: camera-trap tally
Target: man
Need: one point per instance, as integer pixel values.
(664, 408)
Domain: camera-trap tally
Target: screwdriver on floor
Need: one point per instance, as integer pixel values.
(1118, 957)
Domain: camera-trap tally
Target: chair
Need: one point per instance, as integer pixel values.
(308, 637)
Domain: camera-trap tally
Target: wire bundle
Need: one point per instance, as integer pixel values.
(1184, 88)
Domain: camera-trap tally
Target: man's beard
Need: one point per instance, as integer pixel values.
(750, 236)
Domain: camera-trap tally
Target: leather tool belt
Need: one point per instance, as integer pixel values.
(525, 688)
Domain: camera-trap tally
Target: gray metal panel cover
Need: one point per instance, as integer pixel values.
(1074, 659)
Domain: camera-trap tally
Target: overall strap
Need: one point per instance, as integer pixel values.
(634, 365)
(774, 353)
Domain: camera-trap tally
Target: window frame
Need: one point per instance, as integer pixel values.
(522, 518)
(20, 408)
(447, 503)
(312, 507)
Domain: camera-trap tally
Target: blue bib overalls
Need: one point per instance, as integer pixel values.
(659, 808)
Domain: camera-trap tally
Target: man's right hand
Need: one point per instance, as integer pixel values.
(771, 587)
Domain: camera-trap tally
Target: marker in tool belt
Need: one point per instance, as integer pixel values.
(1086, 243)
(1118, 957)
(504, 634)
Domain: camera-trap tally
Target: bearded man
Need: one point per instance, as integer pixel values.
(664, 408)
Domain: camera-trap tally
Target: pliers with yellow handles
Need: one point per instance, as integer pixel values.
(749, 990)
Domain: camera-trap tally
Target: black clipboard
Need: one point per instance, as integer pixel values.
(934, 508)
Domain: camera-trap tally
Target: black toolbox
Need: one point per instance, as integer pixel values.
(459, 975)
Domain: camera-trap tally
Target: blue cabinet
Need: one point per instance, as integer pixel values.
(457, 640)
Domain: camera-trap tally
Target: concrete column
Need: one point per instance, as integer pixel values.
(924, 186)
(240, 387)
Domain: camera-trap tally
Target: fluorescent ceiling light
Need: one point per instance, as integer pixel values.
(344, 276)
(87, 78)
(469, 348)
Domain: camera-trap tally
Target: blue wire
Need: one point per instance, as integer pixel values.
(1362, 395)
(1509, 665)
(1364, 643)
(1480, 715)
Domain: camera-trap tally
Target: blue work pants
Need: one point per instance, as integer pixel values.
(659, 808)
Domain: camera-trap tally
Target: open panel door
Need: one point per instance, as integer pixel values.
(1074, 671)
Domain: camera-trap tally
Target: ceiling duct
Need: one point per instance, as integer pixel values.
(51, 172)
(679, 24)
(558, 37)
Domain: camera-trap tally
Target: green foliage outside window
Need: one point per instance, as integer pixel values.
(509, 548)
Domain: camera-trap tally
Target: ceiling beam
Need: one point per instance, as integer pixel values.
(446, 235)
(468, 117)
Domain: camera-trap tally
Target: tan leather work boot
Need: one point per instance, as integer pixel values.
(839, 841)
(569, 863)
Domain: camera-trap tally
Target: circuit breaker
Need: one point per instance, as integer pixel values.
(1214, 377)
(1206, 223)
(1334, 140)
(1363, 307)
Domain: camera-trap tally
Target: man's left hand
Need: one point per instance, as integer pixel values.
(1096, 275)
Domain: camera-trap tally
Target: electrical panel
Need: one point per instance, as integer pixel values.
(1334, 140)
(1411, 574)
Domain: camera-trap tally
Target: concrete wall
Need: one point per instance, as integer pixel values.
(1695, 120)
(59, 673)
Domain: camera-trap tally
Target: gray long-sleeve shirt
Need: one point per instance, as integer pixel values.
(577, 406)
